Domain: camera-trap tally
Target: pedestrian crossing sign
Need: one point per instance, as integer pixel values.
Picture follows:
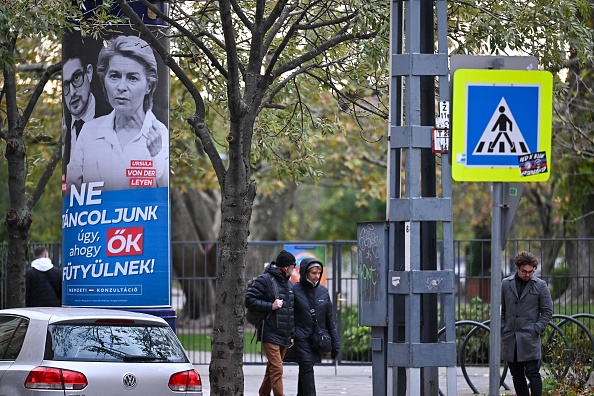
(500, 120)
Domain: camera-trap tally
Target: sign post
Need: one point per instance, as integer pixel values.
(501, 128)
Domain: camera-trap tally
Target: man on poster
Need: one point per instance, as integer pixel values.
(81, 105)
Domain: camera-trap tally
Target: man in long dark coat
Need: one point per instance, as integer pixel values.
(526, 309)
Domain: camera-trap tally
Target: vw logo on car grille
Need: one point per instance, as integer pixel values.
(129, 380)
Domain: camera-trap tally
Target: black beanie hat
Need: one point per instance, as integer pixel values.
(284, 259)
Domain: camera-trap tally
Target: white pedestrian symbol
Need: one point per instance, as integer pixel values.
(502, 136)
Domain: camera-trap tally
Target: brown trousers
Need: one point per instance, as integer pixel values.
(273, 377)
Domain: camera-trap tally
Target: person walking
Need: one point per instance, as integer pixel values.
(272, 294)
(43, 281)
(526, 309)
(312, 300)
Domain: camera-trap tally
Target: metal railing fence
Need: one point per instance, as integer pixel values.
(567, 266)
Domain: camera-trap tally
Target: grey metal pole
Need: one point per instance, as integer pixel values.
(412, 352)
(496, 248)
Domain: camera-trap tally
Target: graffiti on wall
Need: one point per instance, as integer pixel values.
(370, 250)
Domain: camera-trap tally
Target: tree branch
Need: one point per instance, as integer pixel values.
(381, 164)
(192, 37)
(47, 174)
(267, 100)
(32, 67)
(236, 107)
(276, 12)
(290, 34)
(275, 28)
(333, 42)
(9, 89)
(239, 11)
(330, 84)
(337, 21)
(39, 90)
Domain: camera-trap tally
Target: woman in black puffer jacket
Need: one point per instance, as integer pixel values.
(310, 293)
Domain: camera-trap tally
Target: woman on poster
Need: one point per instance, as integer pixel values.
(129, 147)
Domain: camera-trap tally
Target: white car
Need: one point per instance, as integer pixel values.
(91, 352)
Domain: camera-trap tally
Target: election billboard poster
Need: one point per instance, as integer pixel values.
(115, 171)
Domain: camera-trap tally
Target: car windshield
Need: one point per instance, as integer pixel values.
(113, 343)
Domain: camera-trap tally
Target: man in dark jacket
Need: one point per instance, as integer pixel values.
(526, 309)
(43, 281)
(310, 294)
(272, 294)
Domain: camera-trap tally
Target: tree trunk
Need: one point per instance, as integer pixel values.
(18, 218)
(226, 365)
(575, 289)
(18, 221)
(550, 251)
(268, 215)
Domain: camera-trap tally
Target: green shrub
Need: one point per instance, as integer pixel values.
(559, 281)
(477, 347)
(356, 340)
(477, 310)
(567, 369)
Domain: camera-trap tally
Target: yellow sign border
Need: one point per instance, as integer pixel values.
(463, 77)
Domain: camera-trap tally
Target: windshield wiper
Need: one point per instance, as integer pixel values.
(110, 351)
(127, 357)
(145, 358)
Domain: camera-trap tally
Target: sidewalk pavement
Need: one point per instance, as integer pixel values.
(349, 380)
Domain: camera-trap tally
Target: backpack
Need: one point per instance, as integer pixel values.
(255, 317)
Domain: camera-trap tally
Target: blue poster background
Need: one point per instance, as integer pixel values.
(114, 253)
(483, 101)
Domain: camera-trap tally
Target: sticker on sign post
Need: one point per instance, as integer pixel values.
(441, 139)
(444, 109)
(533, 164)
(442, 121)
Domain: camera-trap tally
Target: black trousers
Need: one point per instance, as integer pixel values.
(306, 383)
(520, 371)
